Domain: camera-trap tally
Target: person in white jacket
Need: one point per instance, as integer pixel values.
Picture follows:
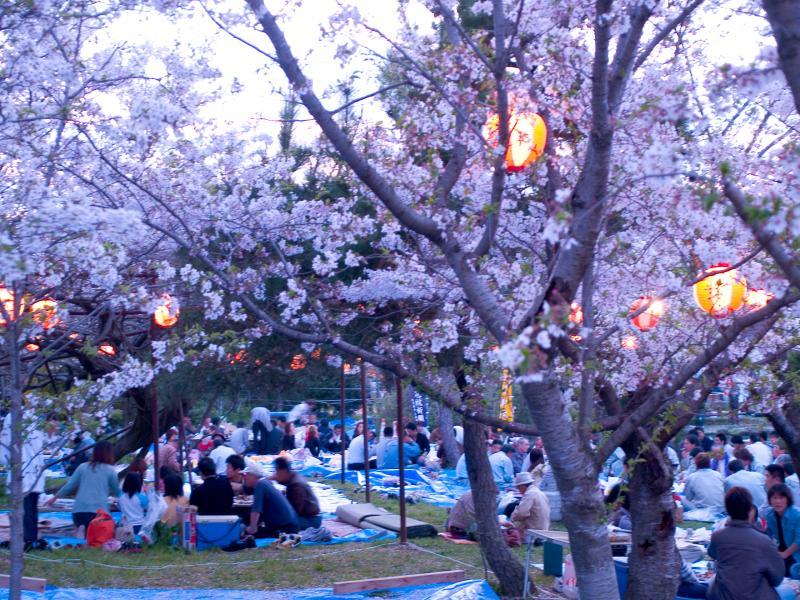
(32, 474)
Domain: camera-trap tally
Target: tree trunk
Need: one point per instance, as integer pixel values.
(449, 444)
(509, 572)
(576, 476)
(784, 17)
(17, 542)
(654, 562)
(786, 421)
(141, 435)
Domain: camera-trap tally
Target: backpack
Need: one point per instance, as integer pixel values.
(100, 530)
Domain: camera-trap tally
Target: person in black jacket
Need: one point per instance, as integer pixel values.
(215, 495)
(420, 438)
(334, 443)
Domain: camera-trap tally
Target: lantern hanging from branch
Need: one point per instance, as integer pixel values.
(527, 135)
(7, 300)
(649, 317)
(630, 342)
(576, 313)
(45, 313)
(721, 292)
(107, 349)
(166, 313)
(298, 363)
(757, 298)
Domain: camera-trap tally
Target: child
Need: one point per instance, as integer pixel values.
(133, 503)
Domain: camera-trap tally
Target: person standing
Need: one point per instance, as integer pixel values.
(32, 476)
(168, 454)
(92, 483)
(261, 425)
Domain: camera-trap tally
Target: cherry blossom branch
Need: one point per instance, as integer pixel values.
(665, 31)
(787, 263)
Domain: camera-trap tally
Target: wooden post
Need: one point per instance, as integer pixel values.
(365, 428)
(342, 407)
(401, 460)
(154, 411)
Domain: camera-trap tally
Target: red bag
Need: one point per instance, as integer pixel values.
(100, 530)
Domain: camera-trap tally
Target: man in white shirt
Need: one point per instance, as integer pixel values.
(760, 451)
(705, 487)
(355, 453)
(220, 455)
(750, 480)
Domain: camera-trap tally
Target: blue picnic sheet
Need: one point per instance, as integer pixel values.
(475, 589)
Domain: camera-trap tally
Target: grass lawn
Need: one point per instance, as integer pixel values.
(268, 569)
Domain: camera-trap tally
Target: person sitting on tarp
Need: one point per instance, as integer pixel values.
(299, 494)
(419, 438)
(215, 495)
(271, 514)
(380, 449)
(502, 467)
(533, 510)
(411, 453)
(334, 443)
(355, 452)
(461, 518)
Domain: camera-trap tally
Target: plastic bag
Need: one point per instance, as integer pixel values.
(570, 579)
(156, 507)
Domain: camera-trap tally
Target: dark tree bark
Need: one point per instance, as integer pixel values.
(654, 562)
(141, 434)
(784, 17)
(583, 509)
(451, 452)
(786, 421)
(510, 573)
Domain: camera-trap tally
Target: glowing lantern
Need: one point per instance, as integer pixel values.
(576, 313)
(107, 350)
(166, 314)
(240, 356)
(32, 347)
(647, 319)
(630, 342)
(757, 298)
(721, 292)
(298, 363)
(527, 135)
(7, 300)
(45, 312)
(316, 354)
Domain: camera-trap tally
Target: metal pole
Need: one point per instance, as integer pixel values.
(184, 456)
(341, 400)
(401, 460)
(365, 428)
(154, 412)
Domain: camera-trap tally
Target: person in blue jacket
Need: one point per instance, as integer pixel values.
(783, 526)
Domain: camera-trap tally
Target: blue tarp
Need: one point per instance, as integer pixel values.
(365, 535)
(465, 590)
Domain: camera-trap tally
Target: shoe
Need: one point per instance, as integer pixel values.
(236, 545)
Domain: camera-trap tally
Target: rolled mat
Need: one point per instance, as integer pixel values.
(368, 516)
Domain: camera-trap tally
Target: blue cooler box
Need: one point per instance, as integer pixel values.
(217, 531)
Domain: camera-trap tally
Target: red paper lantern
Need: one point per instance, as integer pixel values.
(107, 349)
(527, 135)
(647, 319)
(45, 312)
(721, 292)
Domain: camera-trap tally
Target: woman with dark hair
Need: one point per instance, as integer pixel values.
(783, 526)
(173, 495)
(537, 466)
(132, 502)
(287, 442)
(92, 483)
(312, 440)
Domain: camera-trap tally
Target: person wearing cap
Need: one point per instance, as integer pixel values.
(271, 514)
(214, 496)
(533, 510)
